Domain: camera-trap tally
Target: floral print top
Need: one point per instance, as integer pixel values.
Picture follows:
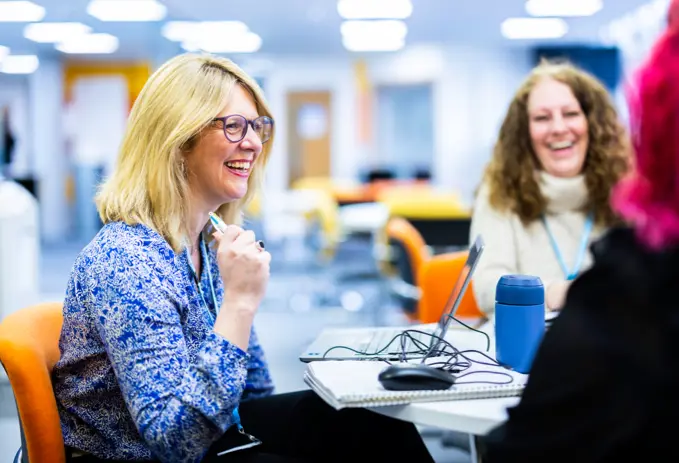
(142, 374)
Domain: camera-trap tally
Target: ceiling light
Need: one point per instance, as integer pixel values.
(89, 44)
(534, 28)
(180, 31)
(19, 64)
(54, 32)
(213, 36)
(374, 9)
(384, 35)
(370, 29)
(563, 7)
(246, 43)
(374, 44)
(127, 10)
(4, 51)
(21, 11)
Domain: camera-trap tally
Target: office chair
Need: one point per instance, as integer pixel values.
(444, 234)
(29, 349)
(436, 279)
(407, 253)
(378, 174)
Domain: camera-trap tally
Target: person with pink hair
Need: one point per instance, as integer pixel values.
(603, 385)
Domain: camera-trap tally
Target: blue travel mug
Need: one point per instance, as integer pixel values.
(519, 320)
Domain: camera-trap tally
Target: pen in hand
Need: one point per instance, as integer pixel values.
(219, 224)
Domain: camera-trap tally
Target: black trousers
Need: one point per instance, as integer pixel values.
(299, 427)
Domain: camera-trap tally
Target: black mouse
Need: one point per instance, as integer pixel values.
(415, 377)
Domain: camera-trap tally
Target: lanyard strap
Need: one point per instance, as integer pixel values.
(206, 264)
(584, 241)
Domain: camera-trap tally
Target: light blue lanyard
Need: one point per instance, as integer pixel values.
(235, 415)
(206, 264)
(584, 241)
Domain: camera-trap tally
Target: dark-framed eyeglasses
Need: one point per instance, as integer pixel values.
(236, 127)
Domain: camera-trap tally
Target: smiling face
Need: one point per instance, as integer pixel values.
(558, 128)
(218, 169)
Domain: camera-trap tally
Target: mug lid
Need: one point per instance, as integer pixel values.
(520, 290)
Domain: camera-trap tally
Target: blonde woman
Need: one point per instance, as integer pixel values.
(160, 361)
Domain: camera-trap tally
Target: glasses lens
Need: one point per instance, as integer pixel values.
(264, 127)
(234, 128)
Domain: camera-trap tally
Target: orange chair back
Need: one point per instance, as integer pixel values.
(400, 230)
(29, 349)
(406, 239)
(436, 279)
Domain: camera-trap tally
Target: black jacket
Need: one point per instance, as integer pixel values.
(604, 385)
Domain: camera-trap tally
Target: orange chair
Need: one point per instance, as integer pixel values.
(29, 349)
(436, 277)
(408, 252)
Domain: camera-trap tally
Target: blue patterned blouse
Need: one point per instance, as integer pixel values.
(142, 375)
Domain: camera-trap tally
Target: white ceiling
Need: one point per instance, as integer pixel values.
(309, 26)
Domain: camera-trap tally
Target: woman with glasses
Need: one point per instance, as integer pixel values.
(159, 358)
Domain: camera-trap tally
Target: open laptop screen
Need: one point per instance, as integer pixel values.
(459, 289)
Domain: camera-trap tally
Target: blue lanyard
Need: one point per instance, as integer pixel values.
(584, 241)
(206, 264)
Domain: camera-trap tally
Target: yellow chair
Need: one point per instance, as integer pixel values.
(440, 217)
(29, 349)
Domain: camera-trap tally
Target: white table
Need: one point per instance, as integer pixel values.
(473, 417)
(469, 416)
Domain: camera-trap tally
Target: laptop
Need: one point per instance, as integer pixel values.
(376, 342)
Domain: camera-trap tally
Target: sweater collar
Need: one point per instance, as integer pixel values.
(563, 194)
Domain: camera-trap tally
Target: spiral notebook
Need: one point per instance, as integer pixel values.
(354, 383)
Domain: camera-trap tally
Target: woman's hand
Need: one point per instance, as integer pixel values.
(555, 295)
(244, 268)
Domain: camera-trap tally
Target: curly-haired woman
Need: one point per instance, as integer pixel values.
(545, 193)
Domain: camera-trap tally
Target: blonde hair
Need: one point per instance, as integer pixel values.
(149, 184)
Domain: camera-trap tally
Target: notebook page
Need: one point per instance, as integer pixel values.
(354, 383)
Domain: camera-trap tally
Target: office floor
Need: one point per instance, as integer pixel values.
(302, 299)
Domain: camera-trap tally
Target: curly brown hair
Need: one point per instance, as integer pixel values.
(510, 174)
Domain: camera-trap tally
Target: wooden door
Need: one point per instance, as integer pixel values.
(308, 135)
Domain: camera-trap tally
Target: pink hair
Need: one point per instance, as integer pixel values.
(649, 198)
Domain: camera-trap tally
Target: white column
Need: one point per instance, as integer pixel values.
(45, 95)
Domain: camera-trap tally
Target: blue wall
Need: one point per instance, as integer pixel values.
(604, 63)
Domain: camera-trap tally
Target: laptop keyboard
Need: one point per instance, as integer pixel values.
(379, 340)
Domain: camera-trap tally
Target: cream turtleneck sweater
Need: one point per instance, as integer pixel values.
(512, 248)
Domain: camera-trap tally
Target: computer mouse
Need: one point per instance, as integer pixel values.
(414, 377)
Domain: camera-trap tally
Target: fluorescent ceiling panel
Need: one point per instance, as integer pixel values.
(374, 9)
(21, 11)
(54, 32)
(372, 45)
(89, 44)
(19, 64)
(370, 29)
(246, 43)
(534, 28)
(563, 8)
(213, 36)
(380, 35)
(181, 31)
(127, 10)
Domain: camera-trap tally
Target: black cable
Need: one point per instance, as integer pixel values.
(454, 360)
